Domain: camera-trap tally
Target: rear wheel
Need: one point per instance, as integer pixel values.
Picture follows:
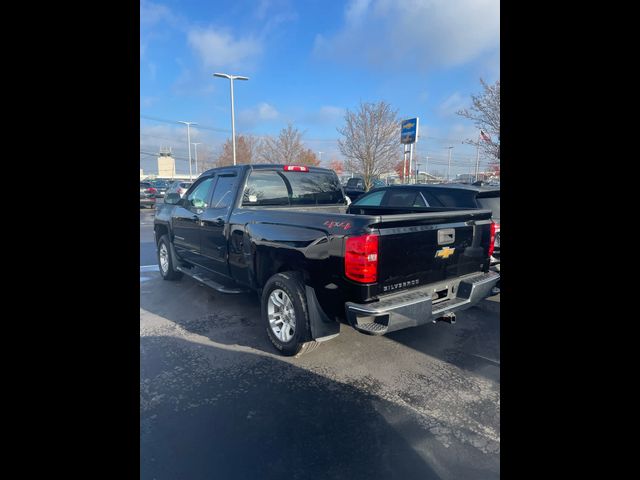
(285, 314)
(166, 262)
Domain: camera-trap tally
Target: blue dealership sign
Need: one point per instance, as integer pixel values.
(409, 131)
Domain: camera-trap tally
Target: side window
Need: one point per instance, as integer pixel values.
(419, 201)
(460, 199)
(265, 188)
(401, 198)
(431, 199)
(198, 197)
(223, 193)
(372, 200)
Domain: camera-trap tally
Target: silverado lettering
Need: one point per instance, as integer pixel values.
(396, 286)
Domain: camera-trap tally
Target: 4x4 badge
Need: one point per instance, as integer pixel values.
(445, 252)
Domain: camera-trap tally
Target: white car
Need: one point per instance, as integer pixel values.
(180, 187)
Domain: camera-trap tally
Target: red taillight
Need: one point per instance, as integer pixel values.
(361, 258)
(295, 168)
(492, 239)
(151, 190)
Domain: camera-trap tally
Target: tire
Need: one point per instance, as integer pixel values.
(169, 272)
(284, 298)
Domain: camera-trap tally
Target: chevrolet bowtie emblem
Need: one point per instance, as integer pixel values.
(445, 252)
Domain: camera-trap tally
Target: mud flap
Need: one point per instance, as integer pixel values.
(322, 327)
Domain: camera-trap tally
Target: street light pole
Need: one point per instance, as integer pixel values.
(477, 158)
(188, 124)
(320, 155)
(404, 164)
(449, 163)
(426, 167)
(233, 117)
(195, 148)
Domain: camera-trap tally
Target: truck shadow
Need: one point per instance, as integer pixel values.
(224, 319)
(209, 412)
(472, 344)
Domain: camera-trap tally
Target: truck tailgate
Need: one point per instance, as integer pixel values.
(417, 250)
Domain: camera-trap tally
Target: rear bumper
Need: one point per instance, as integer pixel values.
(413, 308)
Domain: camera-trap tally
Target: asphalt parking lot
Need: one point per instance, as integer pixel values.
(217, 401)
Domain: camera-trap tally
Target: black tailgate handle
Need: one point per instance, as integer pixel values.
(446, 236)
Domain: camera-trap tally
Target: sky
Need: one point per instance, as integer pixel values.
(308, 62)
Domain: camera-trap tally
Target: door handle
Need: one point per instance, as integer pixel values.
(195, 217)
(219, 222)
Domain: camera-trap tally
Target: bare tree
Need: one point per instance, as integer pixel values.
(287, 148)
(336, 165)
(206, 158)
(246, 151)
(485, 113)
(371, 140)
(308, 157)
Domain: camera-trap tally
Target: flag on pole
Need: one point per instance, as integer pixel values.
(485, 137)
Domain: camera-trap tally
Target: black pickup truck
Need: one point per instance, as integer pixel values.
(287, 233)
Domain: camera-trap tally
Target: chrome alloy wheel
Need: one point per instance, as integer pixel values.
(164, 258)
(282, 317)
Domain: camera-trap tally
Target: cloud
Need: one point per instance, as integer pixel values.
(356, 11)
(219, 49)
(272, 13)
(326, 115)
(192, 84)
(452, 104)
(148, 101)
(267, 112)
(153, 13)
(428, 34)
(329, 112)
(261, 9)
(263, 112)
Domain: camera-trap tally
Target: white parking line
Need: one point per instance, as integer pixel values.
(488, 359)
(149, 268)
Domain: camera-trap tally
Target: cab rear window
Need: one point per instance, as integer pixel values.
(273, 187)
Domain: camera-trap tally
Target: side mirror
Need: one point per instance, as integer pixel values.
(172, 198)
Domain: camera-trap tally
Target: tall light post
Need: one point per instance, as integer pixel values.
(195, 148)
(426, 168)
(449, 163)
(320, 155)
(188, 124)
(478, 156)
(233, 118)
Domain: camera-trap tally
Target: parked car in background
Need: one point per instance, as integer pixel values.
(147, 195)
(445, 195)
(354, 188)
(161, 186)
(180, 187)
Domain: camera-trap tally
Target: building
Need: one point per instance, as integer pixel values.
(470, 178)
(166, 163)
